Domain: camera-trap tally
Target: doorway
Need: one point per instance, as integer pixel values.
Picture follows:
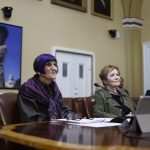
(146, 65)
(75, 76)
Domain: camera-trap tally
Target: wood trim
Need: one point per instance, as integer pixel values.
(7, 133)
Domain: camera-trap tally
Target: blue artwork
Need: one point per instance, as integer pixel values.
(10, 56)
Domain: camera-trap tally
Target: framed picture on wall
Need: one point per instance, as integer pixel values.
(102, 8)
(80, 5)
(10, 56)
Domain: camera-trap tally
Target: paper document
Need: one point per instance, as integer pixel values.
(93, 122)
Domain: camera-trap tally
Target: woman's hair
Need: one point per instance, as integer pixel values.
(105, 70)
(121, 82)
(40, 62)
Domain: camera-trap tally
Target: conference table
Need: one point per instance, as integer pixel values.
(61, 135)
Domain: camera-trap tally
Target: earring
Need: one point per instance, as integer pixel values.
(38, 73)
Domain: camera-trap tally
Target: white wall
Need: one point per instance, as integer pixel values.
(46, 25)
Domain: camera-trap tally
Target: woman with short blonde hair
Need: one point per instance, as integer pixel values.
(111, 101)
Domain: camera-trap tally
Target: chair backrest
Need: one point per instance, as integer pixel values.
(9, 111)
(78, 107)
(135, 100)
(81, 105)
(68, 102)
(88, 106)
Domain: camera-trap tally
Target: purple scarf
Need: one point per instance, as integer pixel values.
(34, 89)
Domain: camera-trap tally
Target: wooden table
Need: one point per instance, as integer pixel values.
(56, 135)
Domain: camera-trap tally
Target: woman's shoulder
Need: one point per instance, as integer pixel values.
(123, 92)
(102, 91)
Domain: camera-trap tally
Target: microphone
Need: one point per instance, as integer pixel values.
(97, 85)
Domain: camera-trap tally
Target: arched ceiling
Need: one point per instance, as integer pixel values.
(132, 8)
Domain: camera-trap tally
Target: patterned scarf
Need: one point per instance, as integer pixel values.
(35, 89)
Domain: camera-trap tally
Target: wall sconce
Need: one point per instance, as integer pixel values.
(7, 11)
(114, 33)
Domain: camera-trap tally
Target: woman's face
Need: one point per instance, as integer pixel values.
(113, 79)
(50, 70)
